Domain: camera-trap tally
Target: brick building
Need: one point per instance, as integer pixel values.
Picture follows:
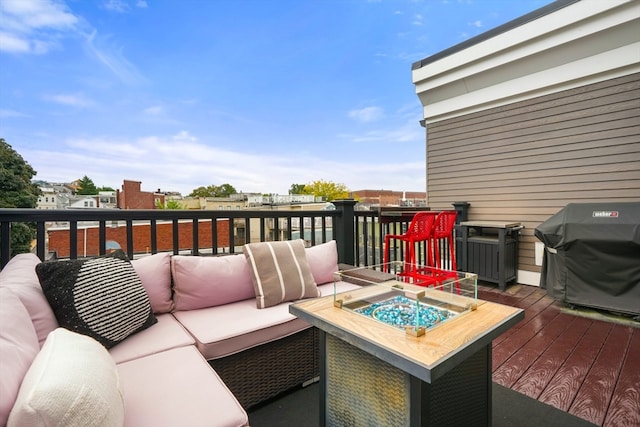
(88, 238)
(132, 197)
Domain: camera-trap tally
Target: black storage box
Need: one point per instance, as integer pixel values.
(592, 255)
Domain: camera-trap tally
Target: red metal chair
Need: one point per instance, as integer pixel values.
(419, 230)
(437, 273)
(443, 231)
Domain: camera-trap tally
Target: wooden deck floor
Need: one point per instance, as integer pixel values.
(586, 366)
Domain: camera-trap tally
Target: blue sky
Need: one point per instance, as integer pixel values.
(259, 94)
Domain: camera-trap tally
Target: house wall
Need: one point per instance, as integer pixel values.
(525, 161)
(537, 113)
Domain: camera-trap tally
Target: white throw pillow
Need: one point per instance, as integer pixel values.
(73, 381)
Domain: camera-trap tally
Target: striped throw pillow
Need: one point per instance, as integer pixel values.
(280, 272)
(100, 297)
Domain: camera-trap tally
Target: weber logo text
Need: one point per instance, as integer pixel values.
(605, 214)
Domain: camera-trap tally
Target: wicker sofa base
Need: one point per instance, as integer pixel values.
(263, 372)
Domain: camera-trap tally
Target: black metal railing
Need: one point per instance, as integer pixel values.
(359, 234)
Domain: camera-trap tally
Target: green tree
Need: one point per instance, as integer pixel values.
(329, 190)
(296, 189)
(105, 189)
(87, 187)
(17, 191)
(224, 190)
(170, 204)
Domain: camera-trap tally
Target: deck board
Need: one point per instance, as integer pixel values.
(624, 409)
(566, 382)
(593, 398)
(521, 336)
(509, 373)
(588, 367)
(541, 372)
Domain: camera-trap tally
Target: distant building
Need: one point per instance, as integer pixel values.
(132, 197)
(107, 199)
(47, 199)
(83, 202)
(391, 198)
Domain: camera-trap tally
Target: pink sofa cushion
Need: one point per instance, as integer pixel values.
(19, 275)
(177, 388)
(216, 337)
(155, 274)
(18, 348)
(201, 281)
(323, 261)
(164, 335)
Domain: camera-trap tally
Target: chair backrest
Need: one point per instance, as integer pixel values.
(444, 223)
(421, 226)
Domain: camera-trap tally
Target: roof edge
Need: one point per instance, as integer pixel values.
(531, 16)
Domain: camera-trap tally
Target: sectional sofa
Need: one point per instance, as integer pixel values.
(163, 340)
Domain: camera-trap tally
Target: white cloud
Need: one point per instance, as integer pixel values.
(181, 162)
(112, 57)
(33, 26)
(13, 44)
(156, 110)
(367, 114)
(118, 6)
(71, 100)
(12, 113)
(477, 24)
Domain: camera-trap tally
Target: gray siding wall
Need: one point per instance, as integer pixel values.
(525, 161)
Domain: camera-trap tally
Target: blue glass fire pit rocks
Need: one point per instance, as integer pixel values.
(400, 312)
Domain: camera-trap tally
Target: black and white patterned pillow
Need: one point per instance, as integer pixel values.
(101, 297)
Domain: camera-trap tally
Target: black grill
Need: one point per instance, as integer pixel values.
(592, 255)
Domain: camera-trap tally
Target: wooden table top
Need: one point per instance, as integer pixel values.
(428, 356)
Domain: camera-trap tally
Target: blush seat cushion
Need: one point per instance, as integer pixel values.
(154, 386)
(164, 335)
(218, 337)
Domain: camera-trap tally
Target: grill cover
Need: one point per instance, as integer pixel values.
(592, 255)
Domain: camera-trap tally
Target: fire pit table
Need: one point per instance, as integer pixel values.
(397, 353)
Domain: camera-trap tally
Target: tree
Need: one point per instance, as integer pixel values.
(17, 191)
(87, 187)
(170, 204)
(224, 190)
(329, 190)
(296, 189)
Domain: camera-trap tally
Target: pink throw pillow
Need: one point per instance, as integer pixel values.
(323, 261)
(202, 281)
(18, 348)
(20, 276)
(155, 274)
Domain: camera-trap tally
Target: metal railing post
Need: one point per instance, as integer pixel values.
(345, 230)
